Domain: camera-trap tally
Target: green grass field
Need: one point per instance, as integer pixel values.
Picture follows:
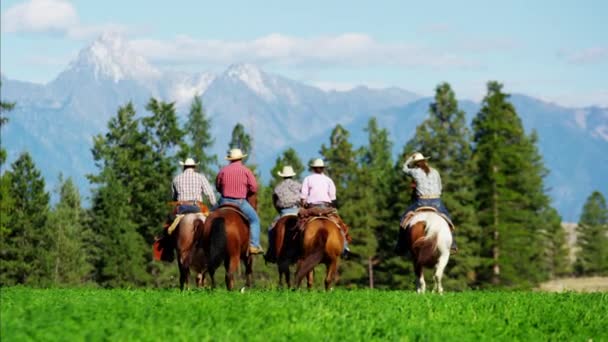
(256, 315)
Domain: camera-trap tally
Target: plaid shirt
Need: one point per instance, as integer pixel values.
(235, 180)
(189, 186)
(287, 193)
(426, 185)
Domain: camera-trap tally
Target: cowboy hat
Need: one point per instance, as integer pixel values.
(235, 154)
(317, 163)
(188, 162)
(416, 157)
(287, 172)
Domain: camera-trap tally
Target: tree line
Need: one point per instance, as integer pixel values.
(508, 233)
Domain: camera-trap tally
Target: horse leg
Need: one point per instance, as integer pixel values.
(310, 279)
(441, 263)
(420, 283)
(331, 273)
(184, 274)
(249, 270)
(231, 264)
(283, 272)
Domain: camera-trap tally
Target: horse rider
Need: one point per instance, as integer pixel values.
(234, 182)
(428, 187)
(286, 200)
(187, 190)
(189, 186)
(319, 191)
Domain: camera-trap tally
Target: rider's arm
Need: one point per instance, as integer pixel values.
(331, 191)
(208, 191)
(304, 191)
(252, 184)
(406, 166)
(173, 192)
(219, 181)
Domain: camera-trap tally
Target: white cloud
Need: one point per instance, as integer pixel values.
(57, 17)
(40, 16)
(349, 49)
(598, 54)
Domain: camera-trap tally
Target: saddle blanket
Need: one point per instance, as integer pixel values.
(178, 219)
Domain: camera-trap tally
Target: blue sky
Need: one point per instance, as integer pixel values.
(557, 51)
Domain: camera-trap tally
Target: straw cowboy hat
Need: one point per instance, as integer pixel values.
(416, 157)
(317, 163)
(287, 172)
(188, 162)
(235, 154)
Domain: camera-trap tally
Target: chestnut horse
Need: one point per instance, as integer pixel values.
(322, 242)
(285, 238)
(226, 239)
(428, 238)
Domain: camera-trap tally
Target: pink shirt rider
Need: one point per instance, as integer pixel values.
(318, 188)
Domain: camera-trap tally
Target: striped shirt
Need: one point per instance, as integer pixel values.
(426, 185)
(235, 180)
(318, 188)
(189, 186)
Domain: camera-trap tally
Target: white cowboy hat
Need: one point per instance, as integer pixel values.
(317, 163)
(188, 162)
(287, 172)
(235, 154)
(418, 157)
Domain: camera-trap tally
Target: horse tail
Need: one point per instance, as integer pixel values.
(279, 237)
(314, 258)
(426, 248)
(217, 243)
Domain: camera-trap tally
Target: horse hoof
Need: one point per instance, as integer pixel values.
(243, 289)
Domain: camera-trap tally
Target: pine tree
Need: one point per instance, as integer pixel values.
(240, 139)
(198, 130)
(556, 249)
(70, 255)
(288, 157)
(4, 107)
(372, 185)
(24, 256)
(123, 156)
(592, 239)
(444, 137)
(122, 251)
(342, 168)
(510, 194)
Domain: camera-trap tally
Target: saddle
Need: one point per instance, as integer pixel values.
(315, 213)
(408, 217)
(236, 209)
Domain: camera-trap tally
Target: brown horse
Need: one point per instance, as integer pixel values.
(189, 249)
(226, 239)
(285, 240)
(428, 239)
(322, 243)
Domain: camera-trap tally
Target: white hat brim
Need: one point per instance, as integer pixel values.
(236, 158)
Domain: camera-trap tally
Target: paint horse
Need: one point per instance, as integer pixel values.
(428, 238)
(226, 239)
(322, 242)
(183, 236)
(284, 246)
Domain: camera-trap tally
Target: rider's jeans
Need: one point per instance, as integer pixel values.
(252, 215)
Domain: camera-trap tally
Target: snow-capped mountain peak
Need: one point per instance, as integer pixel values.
(110, 57)
(252, 77)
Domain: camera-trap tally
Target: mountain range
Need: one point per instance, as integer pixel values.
(55, 122)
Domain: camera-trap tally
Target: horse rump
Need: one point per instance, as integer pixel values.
(217, 242)
(315, 257)
(426, 250)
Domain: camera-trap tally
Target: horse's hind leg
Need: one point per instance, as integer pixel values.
(441, 263)
(420, 283)
(248, 270)
(332, 267)
(310, 279)
(284, 272)
(232, 265)
(184, 274)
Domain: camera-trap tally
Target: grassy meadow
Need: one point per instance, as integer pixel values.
(258, 315)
